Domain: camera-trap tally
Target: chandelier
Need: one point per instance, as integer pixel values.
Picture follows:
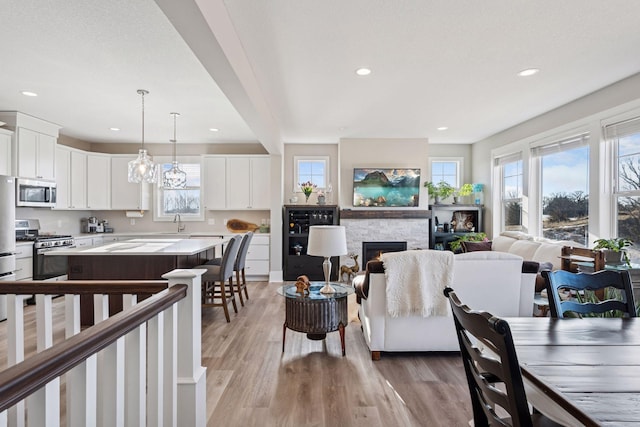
(175, 177)
(143, 169)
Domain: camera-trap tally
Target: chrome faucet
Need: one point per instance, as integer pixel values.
(177, 219)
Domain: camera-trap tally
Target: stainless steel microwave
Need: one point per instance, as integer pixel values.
(35, 193)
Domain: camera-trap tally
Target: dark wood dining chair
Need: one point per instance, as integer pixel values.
(492, 369)
(603, 302)
(215, 291)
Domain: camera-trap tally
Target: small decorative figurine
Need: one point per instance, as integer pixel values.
(302, 285)
(350, 270)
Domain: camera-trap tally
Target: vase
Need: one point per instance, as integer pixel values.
(306, 197)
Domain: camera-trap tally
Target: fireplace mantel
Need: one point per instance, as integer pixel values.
(384, 214)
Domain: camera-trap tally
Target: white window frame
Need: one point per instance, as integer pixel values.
(158, 214)
(296, 171)
(459, 161)
(499, 163)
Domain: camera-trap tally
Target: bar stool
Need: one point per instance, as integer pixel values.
(212, 291)
(239, 266)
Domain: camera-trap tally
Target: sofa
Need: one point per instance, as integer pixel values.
(545, 252)
(489, 281)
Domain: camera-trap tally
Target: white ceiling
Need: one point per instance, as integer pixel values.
(287, 67)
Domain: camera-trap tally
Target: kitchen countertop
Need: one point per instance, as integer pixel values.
(183, 234)
(152, 246)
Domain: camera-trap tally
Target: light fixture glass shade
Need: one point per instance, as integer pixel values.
(174, 178)
(327, 241)
(142, 169)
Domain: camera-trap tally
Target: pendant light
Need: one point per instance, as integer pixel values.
(174, 178)
(143, 169)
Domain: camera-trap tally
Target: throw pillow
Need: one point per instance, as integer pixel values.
(475, 246)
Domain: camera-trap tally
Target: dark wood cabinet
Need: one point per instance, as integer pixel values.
(296, 222)
(449, 221)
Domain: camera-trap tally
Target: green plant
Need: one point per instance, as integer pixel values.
(616, 244)
(589, 296)
(456, 244)
(465, 190)
(441, 190)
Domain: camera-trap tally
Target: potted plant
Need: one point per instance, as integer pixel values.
(463, 191)
(456, 244)
(439, 191)
(614, 250)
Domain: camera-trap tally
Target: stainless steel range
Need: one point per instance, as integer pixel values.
(44, 267)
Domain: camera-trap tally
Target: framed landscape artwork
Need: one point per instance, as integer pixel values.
(386, 187)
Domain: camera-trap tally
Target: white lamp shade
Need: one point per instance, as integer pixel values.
(327, 240)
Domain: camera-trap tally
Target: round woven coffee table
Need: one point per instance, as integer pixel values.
(314, 313)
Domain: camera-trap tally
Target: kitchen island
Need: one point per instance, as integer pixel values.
(136, 259)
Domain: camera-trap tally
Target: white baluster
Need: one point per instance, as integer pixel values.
(43, 406)
(110, 394)
(15, 349)
(135, 371)
(192, 380)
(155, 361)
(81, 380)
(170, 366)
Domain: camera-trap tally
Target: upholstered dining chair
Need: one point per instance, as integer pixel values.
(239, 265)
(215, 292)
(491, 366)
(560, 281)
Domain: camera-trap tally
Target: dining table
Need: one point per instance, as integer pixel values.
(581, 371)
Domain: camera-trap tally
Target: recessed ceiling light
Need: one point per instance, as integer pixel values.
(528, 72)
(363, 71)
(27, 93)
(443, 128)
(114, 129)
(214, 129)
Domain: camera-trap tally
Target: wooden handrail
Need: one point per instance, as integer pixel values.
(83, 287)
(21, 380)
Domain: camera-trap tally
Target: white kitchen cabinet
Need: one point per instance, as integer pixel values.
(214, 184)
(124, 194)
(5, 152)
(33, 145)
(35, 154)
(248, 181)
(257, 262)
(98, 181)
(24, 261)
(71, 172)
(86, 241)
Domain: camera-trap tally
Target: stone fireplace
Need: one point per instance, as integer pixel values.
(408, 226)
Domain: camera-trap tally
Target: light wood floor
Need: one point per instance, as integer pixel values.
(250, 382)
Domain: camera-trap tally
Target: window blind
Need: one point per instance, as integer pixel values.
(622, 129)
(561, 145)
(508, 158)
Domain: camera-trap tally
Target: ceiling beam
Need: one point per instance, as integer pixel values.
(207, 29)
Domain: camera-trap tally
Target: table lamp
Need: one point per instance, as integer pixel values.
(327, 241)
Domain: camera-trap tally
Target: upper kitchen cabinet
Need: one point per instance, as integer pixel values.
(124, 194)
(5, 152)
(215, 189)
(98, 181)
(248, 180)
(33, 146)
(71, 173)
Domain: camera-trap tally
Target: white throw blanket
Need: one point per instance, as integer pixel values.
(416, 280)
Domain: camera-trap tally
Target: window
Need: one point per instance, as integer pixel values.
(564, 179)
(314, 169)
(447, 170)
(186, 202)
(625, 138)
(510, 169)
